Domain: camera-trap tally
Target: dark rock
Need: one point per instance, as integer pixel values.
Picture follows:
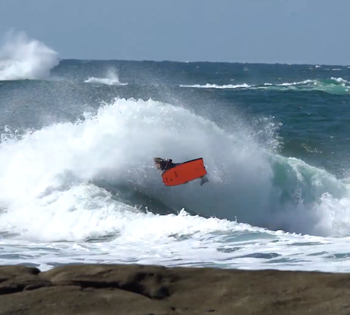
(22, 283)
(7, 272)
(152, 282)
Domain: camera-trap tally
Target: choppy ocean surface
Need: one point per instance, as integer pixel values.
(78, 184)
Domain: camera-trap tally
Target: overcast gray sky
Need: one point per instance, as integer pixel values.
(270, 31)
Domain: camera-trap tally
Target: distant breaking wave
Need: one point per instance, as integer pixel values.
(333, 85)
(111, 79)
(24, 58)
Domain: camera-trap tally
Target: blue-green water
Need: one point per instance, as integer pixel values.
(77, 181)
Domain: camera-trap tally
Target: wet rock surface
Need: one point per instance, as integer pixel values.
(145, 290)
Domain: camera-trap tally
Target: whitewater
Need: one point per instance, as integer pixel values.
(78, 184)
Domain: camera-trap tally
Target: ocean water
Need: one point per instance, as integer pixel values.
(78, 184)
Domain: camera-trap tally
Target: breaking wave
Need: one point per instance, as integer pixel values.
(50, 178)
(111, 79)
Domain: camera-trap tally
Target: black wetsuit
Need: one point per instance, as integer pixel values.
(166, 164)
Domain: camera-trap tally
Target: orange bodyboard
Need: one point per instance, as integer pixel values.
(184, 172)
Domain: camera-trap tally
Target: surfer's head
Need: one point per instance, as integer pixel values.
(157, 161)
(163, 164)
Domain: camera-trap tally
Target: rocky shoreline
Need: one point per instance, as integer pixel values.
(145, 290)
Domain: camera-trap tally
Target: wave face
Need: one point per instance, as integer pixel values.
(24, 58)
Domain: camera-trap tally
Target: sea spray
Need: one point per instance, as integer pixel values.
(24, 58)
